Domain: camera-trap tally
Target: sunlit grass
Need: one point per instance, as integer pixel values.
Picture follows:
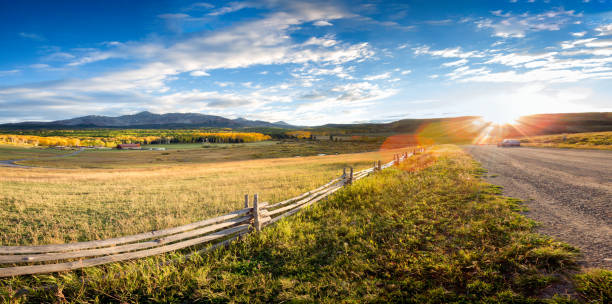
(430, 231)
(206, 153)
(40, 206)
(592, 140)
(22, 152)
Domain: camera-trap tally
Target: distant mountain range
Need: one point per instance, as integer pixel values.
(529, 125)
(150, 120)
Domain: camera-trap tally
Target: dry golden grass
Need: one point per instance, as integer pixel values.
(591, 140)
(41, 206)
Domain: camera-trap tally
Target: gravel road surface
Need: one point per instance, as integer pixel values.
(568, 191)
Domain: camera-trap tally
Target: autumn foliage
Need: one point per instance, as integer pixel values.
(113, 141)
(299, 134)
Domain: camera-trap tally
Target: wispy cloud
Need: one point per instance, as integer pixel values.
(322, 60)
(32, 36)
(232, 7)
(322, 23)
(385, 75)
(508, 25)
(9, 72)
(456, 52)
(264, 41)
(604, 30)
(459, 62)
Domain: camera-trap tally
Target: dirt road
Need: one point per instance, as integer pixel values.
(568, 191)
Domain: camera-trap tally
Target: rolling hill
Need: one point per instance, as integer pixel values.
(148, 120)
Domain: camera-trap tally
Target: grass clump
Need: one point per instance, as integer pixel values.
(429, 231)
(595, 286)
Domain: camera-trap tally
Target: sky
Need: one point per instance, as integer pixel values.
(305, 62)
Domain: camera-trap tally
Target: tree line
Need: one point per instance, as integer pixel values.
(111, 142)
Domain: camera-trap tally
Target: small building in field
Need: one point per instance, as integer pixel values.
(128, 146)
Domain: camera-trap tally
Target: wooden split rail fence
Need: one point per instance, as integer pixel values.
(216, 231)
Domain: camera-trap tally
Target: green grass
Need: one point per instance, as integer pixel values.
(211, 145)
(41, 206)
(8, 152)
(593, 140)
(207, 153)
(595, 286)
(429, 232)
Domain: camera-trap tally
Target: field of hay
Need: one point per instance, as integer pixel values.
(43, 205)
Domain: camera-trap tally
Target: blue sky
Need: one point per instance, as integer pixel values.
(306, 63)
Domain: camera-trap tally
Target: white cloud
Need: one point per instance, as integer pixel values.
(604, 30)
(325, 41)
(337, 71)
(465, 71)
(322, 23)
(199, 73)
(514, 59)
(406, 72)
(572, 44)
(9, 72)
(386, 75)
(232, 7)
(459, 62)
(93, 57)
(447, 53)
(264, 41)
(361, 91)
(250, 85)
(579, 34)
(516, 26)
(224, 84)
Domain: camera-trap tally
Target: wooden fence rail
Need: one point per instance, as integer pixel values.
(222, 230)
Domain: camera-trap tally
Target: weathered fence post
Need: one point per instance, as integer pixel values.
(350, 177)
(246, 201)
(256, 213)
(379, 165)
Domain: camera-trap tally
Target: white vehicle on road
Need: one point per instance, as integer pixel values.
(509, 143)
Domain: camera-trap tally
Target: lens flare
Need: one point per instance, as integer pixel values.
(501, 119)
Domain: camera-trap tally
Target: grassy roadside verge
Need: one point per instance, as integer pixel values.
(592, 140)
(430, 231)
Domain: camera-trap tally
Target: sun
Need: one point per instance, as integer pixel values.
(501, 119)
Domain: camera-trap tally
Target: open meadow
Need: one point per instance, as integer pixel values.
(42, 205)
(430, 230)
(8, 152)
(306, 151)
(200, 153)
